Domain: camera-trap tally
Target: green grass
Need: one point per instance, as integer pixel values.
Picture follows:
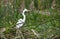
(46, 26)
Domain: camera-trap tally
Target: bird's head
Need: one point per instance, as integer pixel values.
(25, 10)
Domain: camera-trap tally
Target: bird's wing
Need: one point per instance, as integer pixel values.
(19, 19)
(20, 22)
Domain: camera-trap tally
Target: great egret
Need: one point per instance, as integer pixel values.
(22, 21)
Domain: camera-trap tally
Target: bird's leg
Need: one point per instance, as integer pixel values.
(17, 34)
(21, 34)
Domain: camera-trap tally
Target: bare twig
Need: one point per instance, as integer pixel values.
(35, 33)
(1, 33)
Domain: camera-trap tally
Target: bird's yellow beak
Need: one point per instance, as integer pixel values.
(28, 10)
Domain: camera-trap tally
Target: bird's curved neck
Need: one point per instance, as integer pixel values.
(24, 17)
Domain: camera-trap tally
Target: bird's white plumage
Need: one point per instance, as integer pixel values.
(21, 21)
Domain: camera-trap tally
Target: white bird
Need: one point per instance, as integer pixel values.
(21, 21)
